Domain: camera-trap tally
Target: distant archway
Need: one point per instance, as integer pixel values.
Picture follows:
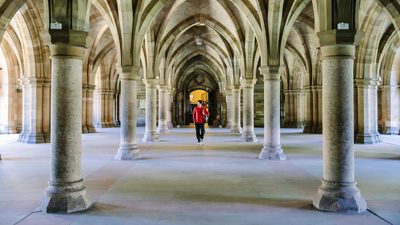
(196, 86)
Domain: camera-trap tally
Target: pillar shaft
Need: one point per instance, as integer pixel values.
(36, 102)
(169, 108)
(229, 108)
(272, 137)
(104, 109)
(128, 149)
(87, 110)
(117, 123)
(338, 191)
(390, 109)
(162, 109)
(366, 120)
(248, 134)
(66, 192)
(235, 122)
(150, 134)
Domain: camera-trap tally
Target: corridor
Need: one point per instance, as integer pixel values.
(181, 182)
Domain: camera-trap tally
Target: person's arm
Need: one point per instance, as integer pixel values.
(194, 115)
(206, 112)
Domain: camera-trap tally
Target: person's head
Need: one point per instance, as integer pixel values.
(199, 103)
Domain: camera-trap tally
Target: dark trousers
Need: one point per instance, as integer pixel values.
(200, 131)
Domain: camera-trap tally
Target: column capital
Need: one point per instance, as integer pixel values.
(364, 82)
(272, 72)
(340, 37)
(248, 83)
(129, 72)
(164, 87)
(342, 51)
(75, 38)
(151, 82)
(88, 87)
(34, 81)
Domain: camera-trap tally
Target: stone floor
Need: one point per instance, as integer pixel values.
(180, 182)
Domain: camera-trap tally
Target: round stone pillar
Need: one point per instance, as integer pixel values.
(338, 192)
(128, 149)
(272, 132)
(366, 122)
(66, 192)
(248, 134)
(169, 108)
(229, 108)
(162, 109)
(35, 119)
(235, 122)
(150, 134)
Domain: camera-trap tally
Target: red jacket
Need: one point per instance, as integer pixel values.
(199, 113)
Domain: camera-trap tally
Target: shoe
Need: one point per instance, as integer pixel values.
(202, 141)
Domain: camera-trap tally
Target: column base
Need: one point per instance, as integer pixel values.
(65, 198)
(272, 153)
(391, 130)
(313, 130)
(8, 130)
(368, 138)
(162, 129)
(248, 137)
(236, 129)
(339, 197)
(88, 129)
(128, 152)
(150, 136)
(34, 138)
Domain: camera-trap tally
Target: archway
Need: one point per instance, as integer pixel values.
(198, 85)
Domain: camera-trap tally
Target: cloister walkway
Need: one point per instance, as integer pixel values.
(181, 182)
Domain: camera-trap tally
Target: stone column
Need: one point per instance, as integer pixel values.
(117, 123)
(235, 123)
(169, 108)
(110, 118)
(390, 109)
(272, 131)
(248, 134)
(338, 191)
(128, 149)
(296, 109)
(150, 134)
(308, 110)
(366, 111)
(35, 106)
(104, 108)
(66, 192)
(87, 110)
(9, 106)
(287, 109)
(162, 109)
(229, 108)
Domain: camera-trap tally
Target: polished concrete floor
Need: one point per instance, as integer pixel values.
(180, 182)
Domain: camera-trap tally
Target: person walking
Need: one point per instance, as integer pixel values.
(200, 113)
